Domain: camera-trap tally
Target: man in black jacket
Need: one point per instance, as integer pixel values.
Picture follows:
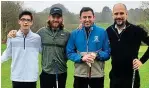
(125, 40)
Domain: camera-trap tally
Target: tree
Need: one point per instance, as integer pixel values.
(9, 16)
(106, 15)
(145, 7)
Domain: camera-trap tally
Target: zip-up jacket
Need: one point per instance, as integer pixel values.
(54, 58)
(125, 48)
(97, 42)
(24, 52)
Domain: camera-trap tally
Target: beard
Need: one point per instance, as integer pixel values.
(119, 22)
(55, 24)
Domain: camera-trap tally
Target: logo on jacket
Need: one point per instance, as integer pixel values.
(96, 39)
(62, 34)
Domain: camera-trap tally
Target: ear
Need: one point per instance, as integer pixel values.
(32, 22)
(94, 17)
(19, 22)
(127, 14)
(112, 15)
(80, 19)
(62, 19)
(49, 17)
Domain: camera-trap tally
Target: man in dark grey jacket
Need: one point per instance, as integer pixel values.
(54, 59)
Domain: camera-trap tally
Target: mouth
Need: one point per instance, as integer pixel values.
(25, 26)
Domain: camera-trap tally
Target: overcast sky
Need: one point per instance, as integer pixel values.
(75, 6)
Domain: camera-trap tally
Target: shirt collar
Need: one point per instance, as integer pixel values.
(91, 28)
(121, 28)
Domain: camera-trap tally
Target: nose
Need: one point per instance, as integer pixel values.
(55, 19)
(25, 22)
(87, 19)
(118, 16)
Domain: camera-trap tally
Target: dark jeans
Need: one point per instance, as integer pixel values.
(81, 82)
(49, 80)
(16, 84)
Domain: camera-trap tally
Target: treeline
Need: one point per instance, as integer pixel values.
(11, 9)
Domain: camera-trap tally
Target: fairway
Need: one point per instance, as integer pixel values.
(144, 71)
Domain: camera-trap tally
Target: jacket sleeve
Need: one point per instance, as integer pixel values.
(8, 52)
(104, 53)
(40, 46)
(71, 49)
(145, 39)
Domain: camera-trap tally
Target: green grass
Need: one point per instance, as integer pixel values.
(144, 72)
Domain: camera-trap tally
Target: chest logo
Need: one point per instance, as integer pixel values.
(62, 34)
(96, 39)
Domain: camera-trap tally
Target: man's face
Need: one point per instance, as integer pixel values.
(119, 15)
(87, 18)
(55, 21)
(25, 22)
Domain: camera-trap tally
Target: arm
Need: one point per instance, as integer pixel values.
(40, 46)
(104, 54)
(71, 50)
(12, 34)
(8, 52)
(145, 39)
(136, 62)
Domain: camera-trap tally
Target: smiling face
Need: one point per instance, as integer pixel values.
(55, 21)
(87, 18)
(25, 22)
(120, 14)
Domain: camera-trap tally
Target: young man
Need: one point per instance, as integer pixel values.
(125, 40)
(88, 48)
(23, 49)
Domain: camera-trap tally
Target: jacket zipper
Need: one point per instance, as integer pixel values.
(24, 41)
(87, 39)
(119, 37)
(87, 45)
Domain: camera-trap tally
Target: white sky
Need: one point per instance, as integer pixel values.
(75, 6)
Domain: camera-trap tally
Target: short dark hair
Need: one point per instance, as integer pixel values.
(85, 9)
(26, 13)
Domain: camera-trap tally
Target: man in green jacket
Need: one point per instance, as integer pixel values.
(54, 59)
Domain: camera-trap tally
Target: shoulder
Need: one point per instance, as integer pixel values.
(100, 30)
(74, 31)
(109, 28)
(35, 35)
(67, 32)
(137, 28)
(41, 30)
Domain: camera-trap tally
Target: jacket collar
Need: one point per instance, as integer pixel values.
(91, 28)
(127, 24)
(20, 33)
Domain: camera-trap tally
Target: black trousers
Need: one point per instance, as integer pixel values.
(16, 84)
(124, 82)
(81, 82)
(49, 80)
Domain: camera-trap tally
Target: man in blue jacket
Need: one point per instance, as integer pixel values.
(88, 48)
